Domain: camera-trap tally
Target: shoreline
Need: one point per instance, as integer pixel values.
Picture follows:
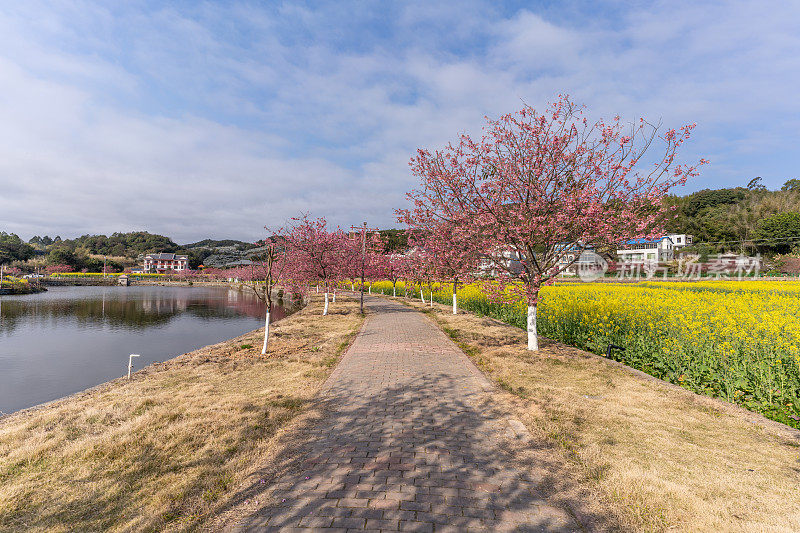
(290, 310)
(177, 438)
(21, 291)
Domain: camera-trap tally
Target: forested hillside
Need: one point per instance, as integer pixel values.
(118, 244)
(742, 219)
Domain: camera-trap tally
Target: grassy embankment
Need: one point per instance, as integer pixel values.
(165, 450)
(657, 456)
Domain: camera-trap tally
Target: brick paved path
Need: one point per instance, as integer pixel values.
(403, 446)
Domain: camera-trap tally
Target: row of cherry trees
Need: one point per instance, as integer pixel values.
(524, 201)
(308, 256)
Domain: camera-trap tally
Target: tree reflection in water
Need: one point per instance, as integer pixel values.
(127, 307)
(70, 338)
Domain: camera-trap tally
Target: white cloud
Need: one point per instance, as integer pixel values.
(216, 121)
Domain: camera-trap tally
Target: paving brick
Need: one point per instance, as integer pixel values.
(405, 444)
(350, 522)
(385, 525)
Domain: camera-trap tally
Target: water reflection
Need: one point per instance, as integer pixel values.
(131, 308)
(71, 338)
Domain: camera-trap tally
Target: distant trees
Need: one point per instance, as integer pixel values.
(117, 245)
(64, 256)
(79, 261)
(394, 240)
(12, 248)
(756, 185)
(211, 243)
(791, 185)
(780, 232)
(44, 241)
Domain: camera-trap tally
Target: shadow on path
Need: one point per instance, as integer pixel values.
(407, 440)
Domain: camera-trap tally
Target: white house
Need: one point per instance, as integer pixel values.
(641, 250)
(679, 240)
(587, 261)
(161, 263)
(510, 259)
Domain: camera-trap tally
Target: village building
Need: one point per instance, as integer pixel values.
(680, 240)
(641, 250)
(587, 259)
(161, 263)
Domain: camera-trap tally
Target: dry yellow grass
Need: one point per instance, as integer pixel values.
(655, 456)
(165, 449)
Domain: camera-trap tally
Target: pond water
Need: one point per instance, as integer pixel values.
(67, 339)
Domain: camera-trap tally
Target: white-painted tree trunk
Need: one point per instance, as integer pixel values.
(370, 289)
(325, 311)
(317, 289)
(334, 295)
(422, 296)
(455, 304)
(394, 290)
(266, 336)
(352, 287)
(431, 297)
(533, 340)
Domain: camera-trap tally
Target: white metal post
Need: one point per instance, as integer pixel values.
(130, 363)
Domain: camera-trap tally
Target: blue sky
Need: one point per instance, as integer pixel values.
(213, 119)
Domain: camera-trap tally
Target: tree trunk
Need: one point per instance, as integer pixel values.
(455, 298)
(533, 340)
(394, 289)
(325, 311)
(421, 295)
(266, 335)
(370, 288)
(334, 295)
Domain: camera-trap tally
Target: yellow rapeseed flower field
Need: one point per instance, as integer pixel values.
(737, 340)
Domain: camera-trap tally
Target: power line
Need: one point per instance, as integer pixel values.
(778, 241)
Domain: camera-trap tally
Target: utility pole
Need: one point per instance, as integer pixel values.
(363, 229)
(363, 262)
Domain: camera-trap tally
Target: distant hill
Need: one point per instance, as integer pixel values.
(118, 244)
(210, 243)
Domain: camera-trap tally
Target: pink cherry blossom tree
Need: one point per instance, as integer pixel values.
(539, 187)
(391, 267)
(358, 253)
(350, 262)
(58, 269)
(450, 255)
(420, 270)
(267, 271)
(315, 253)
